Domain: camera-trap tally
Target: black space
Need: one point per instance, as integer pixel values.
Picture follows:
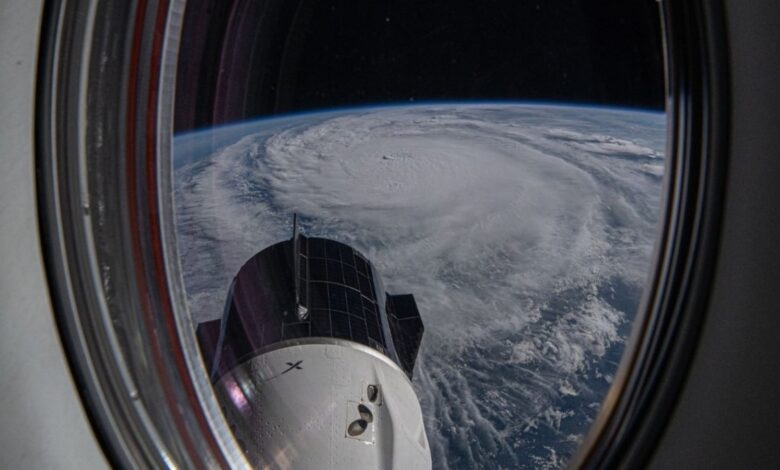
(242, 59)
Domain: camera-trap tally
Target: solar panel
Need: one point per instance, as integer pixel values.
(372, 329)
(320, 323)
(316, 247)
(365, 286)
(361, 265)
(296, 330)
(354, 302)
(318, 295)
(336, 297)
(406, 328)
(346, 254)
(340, 325)
(358, 329)
(351, 277)
(317, 270)
(332, 250)
(334, 271)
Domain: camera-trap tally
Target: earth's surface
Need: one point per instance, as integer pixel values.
(525, 233)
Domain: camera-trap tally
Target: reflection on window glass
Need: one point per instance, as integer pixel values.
(523, 230)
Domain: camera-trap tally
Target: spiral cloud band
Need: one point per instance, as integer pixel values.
(525, 233)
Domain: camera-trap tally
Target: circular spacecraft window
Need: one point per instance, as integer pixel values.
(460, 228)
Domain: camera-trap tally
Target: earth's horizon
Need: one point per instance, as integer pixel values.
(524, 231)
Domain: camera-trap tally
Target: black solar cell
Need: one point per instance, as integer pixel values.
(365, 286)
(320, 323)
(346, 255)
(361, 265)
(405, 306)
(316, 248)
(334, 272)
(340, 323)
(332, 250)
(373, 330)
(318, 270)
(406, 328)
(296, 330)
(318, 295)
(337, 297)
(350, 276)
(354, 302)
(358, 326)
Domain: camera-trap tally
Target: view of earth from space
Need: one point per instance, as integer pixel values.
(525, 233)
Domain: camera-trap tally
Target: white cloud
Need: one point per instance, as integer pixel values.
(510, 233)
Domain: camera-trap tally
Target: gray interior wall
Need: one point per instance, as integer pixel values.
(729, 413)
(42, 422)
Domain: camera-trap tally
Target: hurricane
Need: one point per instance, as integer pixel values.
(524, 231)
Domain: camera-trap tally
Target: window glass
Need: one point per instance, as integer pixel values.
(500, 161)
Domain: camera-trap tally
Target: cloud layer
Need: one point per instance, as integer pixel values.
(524, 232)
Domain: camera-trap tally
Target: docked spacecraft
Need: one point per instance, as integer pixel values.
(312, 361)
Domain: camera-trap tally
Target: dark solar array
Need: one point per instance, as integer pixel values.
(336, 286)
(406, 327)
(325, 289)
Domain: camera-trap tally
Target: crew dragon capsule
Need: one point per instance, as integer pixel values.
(312, 361)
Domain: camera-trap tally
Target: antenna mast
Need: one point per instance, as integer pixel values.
(302, 311)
